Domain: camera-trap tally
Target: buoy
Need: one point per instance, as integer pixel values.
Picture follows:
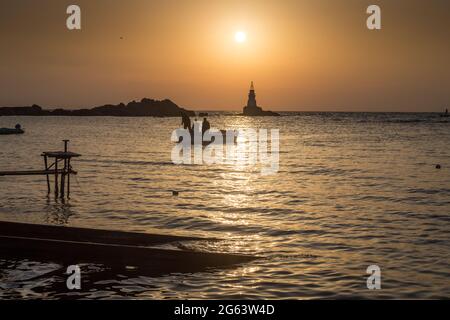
(175, 193)
(438, 166)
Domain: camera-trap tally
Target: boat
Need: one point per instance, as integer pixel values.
(150, 254)
(446, 114)
(206, 143)
(17, 130)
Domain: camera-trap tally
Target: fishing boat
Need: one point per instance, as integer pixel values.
(234, 136)
(17, 130)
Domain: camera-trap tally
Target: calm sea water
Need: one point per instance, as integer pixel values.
(353, 190)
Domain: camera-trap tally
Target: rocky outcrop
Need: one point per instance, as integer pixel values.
(144, 108)
(257, 111)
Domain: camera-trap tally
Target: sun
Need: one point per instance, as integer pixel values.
(240, 36)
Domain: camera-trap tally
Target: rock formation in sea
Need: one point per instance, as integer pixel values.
(144, 108)
(252, 108)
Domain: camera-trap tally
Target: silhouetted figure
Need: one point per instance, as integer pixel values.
(195, 128)
(446, 112)
(18, 126)
(205, 126)
(186, 121)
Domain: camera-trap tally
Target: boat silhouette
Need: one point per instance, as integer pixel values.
(17, 130)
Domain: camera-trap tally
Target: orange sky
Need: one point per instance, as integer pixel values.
(302, 55)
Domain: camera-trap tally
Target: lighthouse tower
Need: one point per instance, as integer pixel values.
(252, 108)
(251, 97)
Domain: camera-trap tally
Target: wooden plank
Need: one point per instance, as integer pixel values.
(88, 235)
(32, 172)
(148, 261)
(60, 154)
(113, 249)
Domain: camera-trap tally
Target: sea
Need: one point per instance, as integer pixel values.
(352, 190)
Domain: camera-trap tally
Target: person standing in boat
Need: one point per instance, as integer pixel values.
(186, 121)
(205, 126)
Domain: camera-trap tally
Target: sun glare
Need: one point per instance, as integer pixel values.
(240, 37)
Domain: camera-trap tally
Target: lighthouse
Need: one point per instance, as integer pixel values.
(252, 108)
(251, 97)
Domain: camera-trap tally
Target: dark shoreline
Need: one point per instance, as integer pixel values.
(144, 108)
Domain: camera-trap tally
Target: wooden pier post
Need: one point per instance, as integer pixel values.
(65, 170)
(56, 177)
(63, 176)
(68, 178)
(65, 145)
(48, 177)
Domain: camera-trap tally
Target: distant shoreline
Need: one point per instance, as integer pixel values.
(144, 108)
(191, 113)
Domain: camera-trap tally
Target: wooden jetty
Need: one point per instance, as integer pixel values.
(63, 172)
(113, 249)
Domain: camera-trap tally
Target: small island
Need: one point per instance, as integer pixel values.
(145, 108)
(252, 108)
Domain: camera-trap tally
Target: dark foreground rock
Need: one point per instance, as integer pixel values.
(144, 108)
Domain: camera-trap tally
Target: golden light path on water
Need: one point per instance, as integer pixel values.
(351, 190)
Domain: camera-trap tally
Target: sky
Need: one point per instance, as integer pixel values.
(302, 55)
